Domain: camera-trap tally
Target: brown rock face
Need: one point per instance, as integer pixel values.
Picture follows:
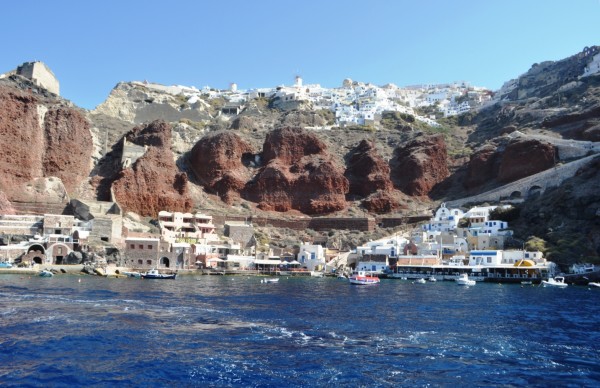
(382, 202)
(153, 184)
(299, 174)
(420, 165)
(68, 146)
(482, 168)
(5, 205)
(367, 171)
(59, 146)
(217, 163)
(523, 158)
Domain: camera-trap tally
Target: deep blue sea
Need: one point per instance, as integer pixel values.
(237, 331)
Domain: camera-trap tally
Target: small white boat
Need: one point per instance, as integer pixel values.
(420, 281)
(558, 281)
(594, 284)
(132, 274)
(154, 274)
(431, 279)
(526, 282)
(361, 278)
(341, 276)
(269, 280)
(46, 273)
(317, 274)
(463, 280)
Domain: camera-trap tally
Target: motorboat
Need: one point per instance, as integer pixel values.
(269, 280)
(154, 274)
(420, 281)
(46, 273)
(132, 274)
(431, 279)
(341, 276)
(317, 274)
(463, 280)
(5, 264)
(361, 278)
(594, 284)
(526, 282)
(558, 281)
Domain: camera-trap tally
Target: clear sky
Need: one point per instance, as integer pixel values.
(92, 45)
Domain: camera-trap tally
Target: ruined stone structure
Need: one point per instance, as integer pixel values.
(40, 74)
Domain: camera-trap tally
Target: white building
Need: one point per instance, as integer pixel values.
(311, 256)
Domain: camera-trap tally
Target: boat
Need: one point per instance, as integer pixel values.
(558, 281)
(341, 276)
(46, 273)
(594, 284)
(431, 279)
(420, 281)
(463, 280)
(316, 274)
(154, 274)
(132, 274)
(361, 278)
(526, 282)
(5, 264)
(269, 280)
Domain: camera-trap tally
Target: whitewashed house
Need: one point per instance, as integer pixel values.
(311, 256)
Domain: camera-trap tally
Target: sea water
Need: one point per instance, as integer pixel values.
(237, 331)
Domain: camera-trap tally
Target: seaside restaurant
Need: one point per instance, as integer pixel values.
(270, 265)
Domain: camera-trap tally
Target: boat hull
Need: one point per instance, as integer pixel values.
(159, 276)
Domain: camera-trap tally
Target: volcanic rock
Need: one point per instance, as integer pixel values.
(366, 170)
(217, 163)
(299, 174)
(153, 183)
(420, 165)
(5, 205)
(523, 158)
(482, 167)
(382, 202)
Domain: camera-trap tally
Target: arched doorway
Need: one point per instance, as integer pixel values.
(37, 260)
(164, 262)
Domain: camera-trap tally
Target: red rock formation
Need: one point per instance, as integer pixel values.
(217, 163)
(60, 146)
(299, 174)
(68, 146)
(367, 171)
(381, 202)
(153, 183)
(523, 158)
(420, 165)
(482, 168)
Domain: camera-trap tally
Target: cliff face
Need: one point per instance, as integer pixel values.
(420, 165)
(41, 138)
(153, 183)
(298, 173)
(217, 163)
(523, 158)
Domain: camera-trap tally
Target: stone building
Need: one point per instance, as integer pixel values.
(40, 75)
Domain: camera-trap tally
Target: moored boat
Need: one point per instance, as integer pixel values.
(361, 278)
(132, 274)
(594, 284)
(46, 273)
(420, 281)
(154, 274)
(5, 264)
(463, 280)
(269, 280)
(431, 279)
(317, 274)
(558, 281)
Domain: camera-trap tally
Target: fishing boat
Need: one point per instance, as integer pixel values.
(46, 273)
(558, 281)
(431, 279)
(132, 274)
(361, 278)
(317, 274)
(269, 280)
(420, 281)
(594, 284)
(154, 274)
(526, 282)
(5, 264)
(463, 280)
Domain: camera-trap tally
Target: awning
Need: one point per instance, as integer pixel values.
(267, 262)
(215, 259)
(525, 263)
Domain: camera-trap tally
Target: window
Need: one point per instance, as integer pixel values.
(489, 260)
(140, 262)
(59, 251)
(141, 246)
(131, 246)
(149, 246)
(149, 262)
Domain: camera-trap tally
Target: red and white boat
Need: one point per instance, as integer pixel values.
(362, 278)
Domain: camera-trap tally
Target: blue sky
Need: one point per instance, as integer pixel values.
(92, 45)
